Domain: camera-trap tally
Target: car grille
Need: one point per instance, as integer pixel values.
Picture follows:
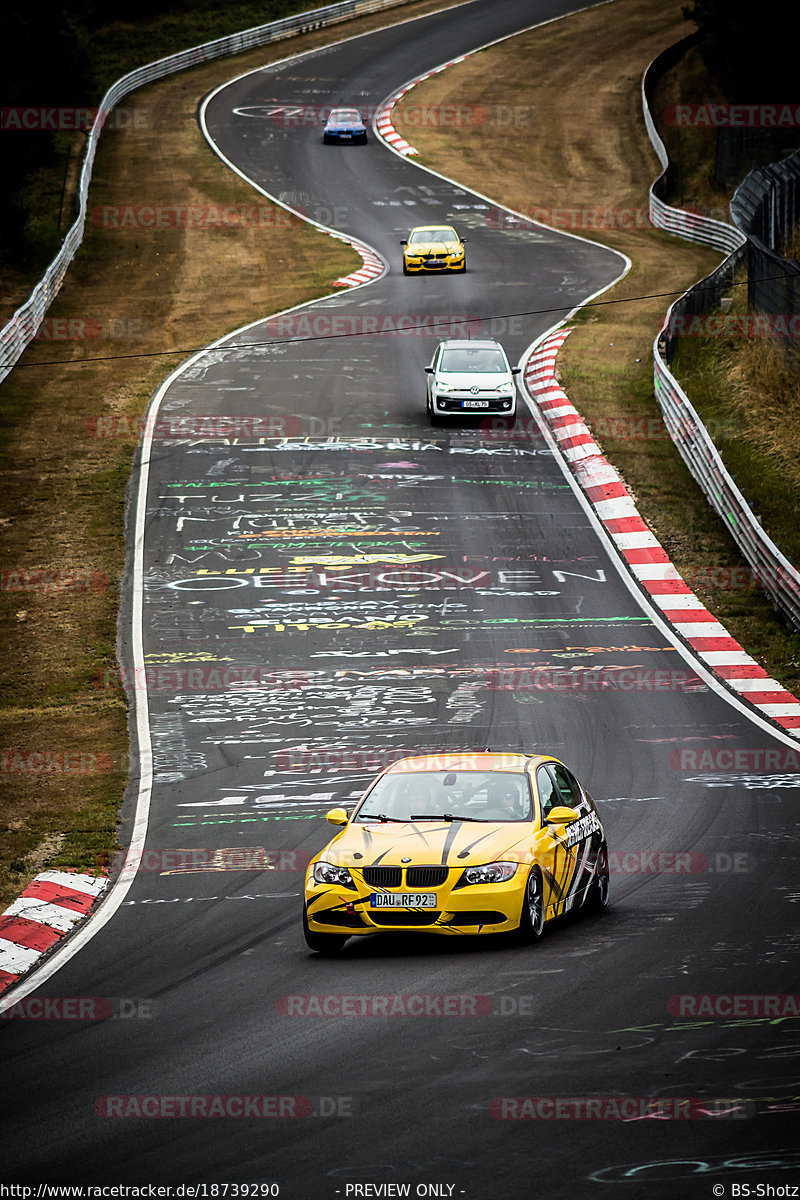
(416, 877)
(406, 917)
(420, 877)
(384, 877)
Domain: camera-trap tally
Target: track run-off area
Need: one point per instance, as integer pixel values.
(320, 581)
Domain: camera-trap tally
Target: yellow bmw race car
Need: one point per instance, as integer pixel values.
(458, 844)
(433, 248)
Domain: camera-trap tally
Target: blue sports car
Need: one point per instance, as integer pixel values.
(344, 125)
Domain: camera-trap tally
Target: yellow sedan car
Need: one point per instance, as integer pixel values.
(470, 844)
(433, 248)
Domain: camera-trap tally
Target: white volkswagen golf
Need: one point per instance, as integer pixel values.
(471, 377)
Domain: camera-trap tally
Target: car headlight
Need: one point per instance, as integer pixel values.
(445, 387)
(504, 389)
(496, 872)
(325, 872)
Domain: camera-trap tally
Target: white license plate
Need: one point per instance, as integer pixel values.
(476, 404)
(402, 900)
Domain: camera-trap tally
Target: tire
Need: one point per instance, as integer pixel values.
(531, 922)
(597, 900)
(327, 944)
(406, 270)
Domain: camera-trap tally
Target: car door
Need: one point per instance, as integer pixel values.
(583, 838)
(431, 377)
(554, 853)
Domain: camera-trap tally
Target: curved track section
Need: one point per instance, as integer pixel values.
(322, 582)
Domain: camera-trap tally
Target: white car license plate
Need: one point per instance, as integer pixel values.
(476, 404)
(403, 900)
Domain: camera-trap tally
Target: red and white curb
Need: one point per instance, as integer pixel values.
(373, 267)
(48, 908)
(382, 123)
(641, 550)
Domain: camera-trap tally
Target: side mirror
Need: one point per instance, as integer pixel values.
(516, 370)
(464, 241)
(429, 370)
(404, 242)
(561, 815)
(337, 816)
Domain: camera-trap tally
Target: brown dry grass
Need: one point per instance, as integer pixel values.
(63, 733)
(584, 150)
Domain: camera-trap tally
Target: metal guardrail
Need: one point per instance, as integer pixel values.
(17, 334)
(680, 221)
(779, 578)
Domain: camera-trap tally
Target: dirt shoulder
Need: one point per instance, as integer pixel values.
(576, 156)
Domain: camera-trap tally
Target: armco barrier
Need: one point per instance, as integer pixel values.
(692, 226)
(779, 577)
(21, 329)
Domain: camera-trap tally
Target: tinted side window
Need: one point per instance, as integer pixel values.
(548, 794)
(568, 787)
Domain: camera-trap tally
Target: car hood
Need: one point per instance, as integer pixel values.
(426, 843)
(468, 379)
(433, 247)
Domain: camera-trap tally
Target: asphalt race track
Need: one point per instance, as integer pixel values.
(340, 582)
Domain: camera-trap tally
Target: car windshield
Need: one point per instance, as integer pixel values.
(341, 116)
(454, 795)
(490, 361)
(445, 234)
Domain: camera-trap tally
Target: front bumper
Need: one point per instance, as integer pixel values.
(419, 266)
(476, 909)
(349, 136)
(454, 403)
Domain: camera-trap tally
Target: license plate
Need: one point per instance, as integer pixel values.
(402, 900)
(345, 135)
(476, 404)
